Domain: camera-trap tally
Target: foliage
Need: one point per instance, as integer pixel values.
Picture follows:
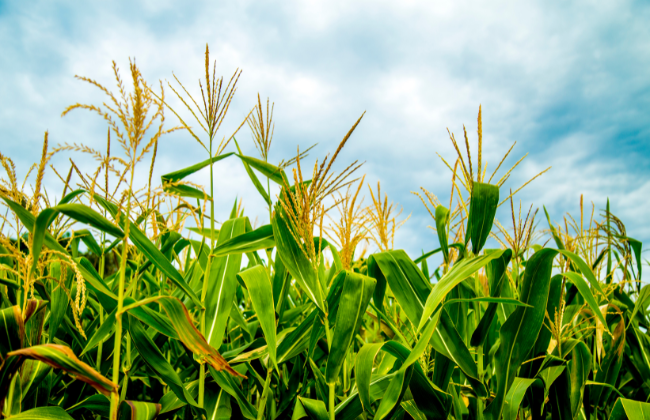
(191, 318)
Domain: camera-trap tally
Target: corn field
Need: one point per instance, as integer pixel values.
(126, 299)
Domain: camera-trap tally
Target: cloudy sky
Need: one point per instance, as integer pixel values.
(568, 81)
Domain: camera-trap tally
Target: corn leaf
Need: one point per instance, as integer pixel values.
(442, 218)
(152, 253)
(138, 410)
(187, 332)
(62, 357)
(312, 409)
(222, 284)
(355, 296)
(483, 207)
(519, 333)
(154, 358)
(260, 238)
(625, 409)
(295, 260)
(187, 190)
(261, 294)
(515, 396)
(459, 272)
(43, 413)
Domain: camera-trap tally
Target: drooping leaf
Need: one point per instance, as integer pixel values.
(583, 289)
(187, 332)
(78, 212)
(62, 357)
(154, 358)
(406, 281)
(138, 410)
(97, 403)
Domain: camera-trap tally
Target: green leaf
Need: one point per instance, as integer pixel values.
(496, 273)
(256, 182)
(28, 220)
(186, 190)
(298, 339)
(274, 173)
(154, 358)
(138, 410)
(442, 218)
(578, 371)
(584, 269)
(583, 289)
(295, 260)
(363, 372)
(519, 333)
(260, 238)
(459, 272)
(151, 252)
(187, 332)
(447, 341)
(78, 212)
(43, 413)
(261, 294)
(515, 396)
(394, 393)
(97, 403)
(625, 409)
(406, 281)
(639, 305)
(355, 296)
(431, 400)
(351, 408)
(170, 401)
(205, 232)
(222, 283)
(228, 384)
(413, 410)
(12, 330)
(313, 409)
(62, 357)
(217, 402)
(483, 207)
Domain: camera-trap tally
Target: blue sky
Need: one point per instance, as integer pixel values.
(569, 81)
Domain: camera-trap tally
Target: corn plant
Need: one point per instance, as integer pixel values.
(126, 299)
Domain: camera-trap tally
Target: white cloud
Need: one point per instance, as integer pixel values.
(566, 81)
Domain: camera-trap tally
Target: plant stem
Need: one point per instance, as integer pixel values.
(115, 400)
(332, 400)
(206, 278)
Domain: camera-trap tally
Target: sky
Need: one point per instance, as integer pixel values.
(568, 81)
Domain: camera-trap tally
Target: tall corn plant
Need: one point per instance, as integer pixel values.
(192, 318)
